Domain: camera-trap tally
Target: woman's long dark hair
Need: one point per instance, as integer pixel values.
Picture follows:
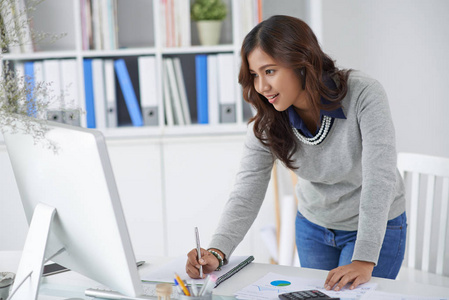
(291, 43)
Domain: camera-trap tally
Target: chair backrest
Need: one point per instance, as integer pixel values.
(428, 205)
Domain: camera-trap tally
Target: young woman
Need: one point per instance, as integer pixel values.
(333, 128)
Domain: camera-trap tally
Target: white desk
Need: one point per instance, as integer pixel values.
(254, 271)
(71, 284)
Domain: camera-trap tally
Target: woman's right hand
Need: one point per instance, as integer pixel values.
(208, 261)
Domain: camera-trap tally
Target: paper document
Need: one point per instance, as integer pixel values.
(390, 296)
(165, 273)
(271, 285)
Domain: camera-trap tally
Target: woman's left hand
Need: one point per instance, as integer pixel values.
(357, 272)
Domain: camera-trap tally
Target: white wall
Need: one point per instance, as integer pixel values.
(404, 44)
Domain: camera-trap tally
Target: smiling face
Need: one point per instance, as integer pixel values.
(278, 84)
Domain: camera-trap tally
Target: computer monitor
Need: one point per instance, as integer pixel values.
(73, 196)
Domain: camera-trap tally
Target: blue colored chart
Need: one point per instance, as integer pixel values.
(280, 283)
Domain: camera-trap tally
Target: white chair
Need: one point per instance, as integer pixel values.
(427, 192)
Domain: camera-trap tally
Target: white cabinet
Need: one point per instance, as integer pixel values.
(137, 169)
(199, 174)
(167, 187)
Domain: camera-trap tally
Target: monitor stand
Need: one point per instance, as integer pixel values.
(29, 274)
(31, 263)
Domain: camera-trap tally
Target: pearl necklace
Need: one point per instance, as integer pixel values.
(320, 136)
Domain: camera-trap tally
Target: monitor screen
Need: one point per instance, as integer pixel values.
(77, 180)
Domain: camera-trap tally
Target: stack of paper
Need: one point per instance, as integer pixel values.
(271, 285)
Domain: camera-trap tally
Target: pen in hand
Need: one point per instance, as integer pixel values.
(198, 249)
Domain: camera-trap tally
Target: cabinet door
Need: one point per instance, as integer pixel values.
(137, 168)
(199, 176)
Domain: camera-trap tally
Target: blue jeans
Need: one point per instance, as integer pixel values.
(326, 249)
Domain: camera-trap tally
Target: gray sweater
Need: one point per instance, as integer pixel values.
(348, 182)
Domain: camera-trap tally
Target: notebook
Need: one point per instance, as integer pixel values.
(166, 272)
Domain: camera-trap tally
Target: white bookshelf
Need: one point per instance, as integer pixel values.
(164, 173)
(55, 16)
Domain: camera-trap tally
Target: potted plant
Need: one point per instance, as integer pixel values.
(209, 15)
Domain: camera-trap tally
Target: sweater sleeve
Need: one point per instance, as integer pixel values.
(246, 197)
(378, 171)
